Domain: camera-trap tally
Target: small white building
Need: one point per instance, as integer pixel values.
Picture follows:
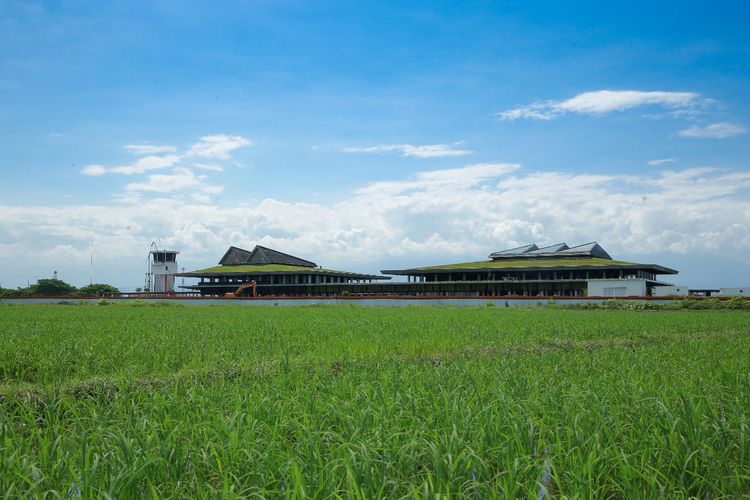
(162, 270)
(735, 292)
(628, 287)
(671, 291)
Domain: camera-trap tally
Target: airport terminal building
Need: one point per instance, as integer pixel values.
(529, 271)
(274, 273)
(526, 271)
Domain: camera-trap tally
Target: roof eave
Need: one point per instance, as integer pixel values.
(414, 271)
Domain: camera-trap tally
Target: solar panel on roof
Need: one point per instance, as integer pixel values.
(593, 249)
(550, 248)
(516, 251)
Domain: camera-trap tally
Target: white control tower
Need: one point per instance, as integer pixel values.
(162, 267)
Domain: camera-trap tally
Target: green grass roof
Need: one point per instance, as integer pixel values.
(506, 263)
(266, 268)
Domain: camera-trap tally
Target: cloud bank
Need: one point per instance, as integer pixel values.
(205, 154)
(436, 216)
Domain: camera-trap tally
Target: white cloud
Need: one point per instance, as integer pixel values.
(165, 183)
(148, 149)
(214, 147)
(426, 151)
(201, 198)
(208, 166)
(661, 161)
(67, 252)
(437, 216)
(94, 170)
(151, 162)
(211, 189)
(218, 146)
(720, 130)
(603, 101)
(464, 177)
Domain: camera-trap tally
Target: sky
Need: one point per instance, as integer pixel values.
(372, 135)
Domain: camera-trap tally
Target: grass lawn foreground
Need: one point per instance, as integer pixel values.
(231, 401)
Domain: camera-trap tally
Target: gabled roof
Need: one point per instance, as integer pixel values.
(234, 257)
(514, 251)
(260, 256)
(263, 255)
(550, 249)
(592, 249)
(589, 256)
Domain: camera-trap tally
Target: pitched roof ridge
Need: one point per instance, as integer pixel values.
(519, 250)
(277, 251)
(583, 245)
(230, 251)
(270, 256)
(592, 248)
(554, 245)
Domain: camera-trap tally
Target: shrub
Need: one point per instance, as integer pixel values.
(98, 289)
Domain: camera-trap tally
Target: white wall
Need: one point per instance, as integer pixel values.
(163, 276)
(670, 291)
(735, 292)
(163, 283)
(617, 288)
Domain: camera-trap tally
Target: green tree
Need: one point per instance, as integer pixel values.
(52, 288)
(98, 289)
(18, 292)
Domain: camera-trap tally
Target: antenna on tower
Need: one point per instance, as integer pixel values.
(91, 264)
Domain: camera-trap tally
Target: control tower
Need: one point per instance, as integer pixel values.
(162, 267)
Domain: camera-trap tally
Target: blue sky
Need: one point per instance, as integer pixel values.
(372, 135)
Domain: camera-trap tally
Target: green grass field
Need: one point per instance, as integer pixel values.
(129, 401)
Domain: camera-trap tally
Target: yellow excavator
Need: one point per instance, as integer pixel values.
(251, 285)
